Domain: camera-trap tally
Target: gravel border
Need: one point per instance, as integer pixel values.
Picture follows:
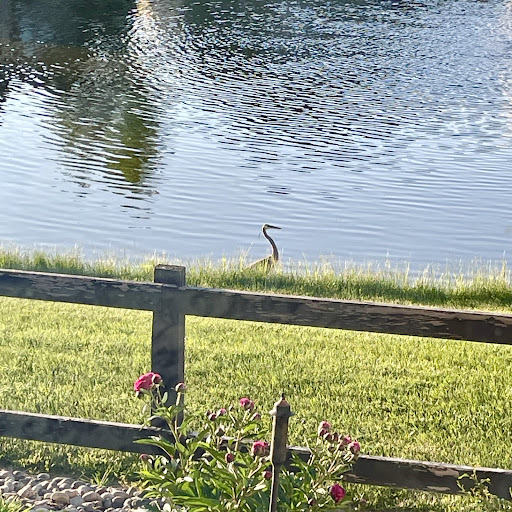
(46, 493)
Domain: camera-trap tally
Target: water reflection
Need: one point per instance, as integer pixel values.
(330, 113)
(96, 114)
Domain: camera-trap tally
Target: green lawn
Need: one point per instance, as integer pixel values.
(400, 396)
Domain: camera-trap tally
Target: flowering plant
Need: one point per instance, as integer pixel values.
(225, 465)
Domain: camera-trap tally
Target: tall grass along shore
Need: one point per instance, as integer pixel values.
(438, 400)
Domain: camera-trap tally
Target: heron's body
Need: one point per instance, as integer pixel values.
(269, 261)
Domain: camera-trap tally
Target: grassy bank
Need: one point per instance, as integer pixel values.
(474, 285)
(401, 396)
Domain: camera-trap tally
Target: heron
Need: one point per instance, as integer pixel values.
(269, 261)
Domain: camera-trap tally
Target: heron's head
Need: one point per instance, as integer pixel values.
(269, 226)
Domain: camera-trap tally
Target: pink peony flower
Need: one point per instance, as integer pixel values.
(354, 447)
(247, 404)
(147, 381)
(267, 474)
(230, 457)
(324, 428)
(337, 492)
(346, 440)
(260, 448)
(181, 387)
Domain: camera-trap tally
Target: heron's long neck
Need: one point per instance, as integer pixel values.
(275, 253)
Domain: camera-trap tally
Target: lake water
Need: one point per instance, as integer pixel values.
(365, 129)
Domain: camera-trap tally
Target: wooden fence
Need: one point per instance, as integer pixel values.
(171, 300)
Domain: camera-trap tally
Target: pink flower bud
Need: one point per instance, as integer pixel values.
(157, 378)
(230, 457)
(222, 412)
(144, 457)
(145, 382)
(311, 502)
(324, 428)
(260, 448)
(181, 387)
(247, 404)
(212, 416)
(256, 416)
(267, 474)
(346, 440)
(337, 492)
(354, 447)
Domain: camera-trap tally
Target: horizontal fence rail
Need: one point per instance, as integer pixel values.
(170, 300)
(259, 307)
(384, 471)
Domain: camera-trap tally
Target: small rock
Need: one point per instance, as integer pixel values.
(54, 482)
(91, 496)
(118, 493)
(134, 502)
(4, 473)
(107, 502)
(70, 508)
(17, 475)
(83, 489)
(118, 501)
(76, 501)
(43, 476)
(26, 492)
(71, 492)
(60, 497)
(39, 508)
(9, 485)
(16, 484)
(77, 483)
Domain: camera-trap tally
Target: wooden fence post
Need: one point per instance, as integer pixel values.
(278, 446)
(168, 336)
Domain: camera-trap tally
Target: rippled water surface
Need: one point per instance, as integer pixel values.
(364, 128)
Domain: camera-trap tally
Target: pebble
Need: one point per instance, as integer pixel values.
(47, 493)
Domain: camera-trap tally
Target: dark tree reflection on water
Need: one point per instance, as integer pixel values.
(75, 51)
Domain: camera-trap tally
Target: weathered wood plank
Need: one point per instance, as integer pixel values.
(168, 334)
(420, 475)
(80, 289)
(341, 314)
(75, 431)
(372, 470)
(259, 307)
(427, 476)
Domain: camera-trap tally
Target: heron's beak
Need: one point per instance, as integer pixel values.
(272, 227)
